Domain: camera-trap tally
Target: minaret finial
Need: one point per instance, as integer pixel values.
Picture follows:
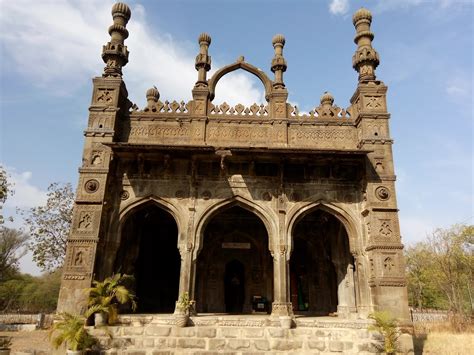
(278, 62)
(115, 53)
(203, 60)
(366, 58)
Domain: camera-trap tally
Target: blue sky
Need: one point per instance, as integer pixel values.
(50, 50)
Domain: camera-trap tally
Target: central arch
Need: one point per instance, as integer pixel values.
(234, 265)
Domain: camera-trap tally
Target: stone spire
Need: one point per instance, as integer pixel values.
(203, 60)
(115, 53)
(278, 62)
(327, 100)
(366, 58)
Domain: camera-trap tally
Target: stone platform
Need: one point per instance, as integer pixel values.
(236, 334)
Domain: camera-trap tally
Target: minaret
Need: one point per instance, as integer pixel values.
(278, 62)
(115, 53)
(203, 60)
(366, 58)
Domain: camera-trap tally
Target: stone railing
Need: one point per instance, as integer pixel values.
(320, 112)
(173, 107)
(238, 110)
(428, 315)
(39, 320)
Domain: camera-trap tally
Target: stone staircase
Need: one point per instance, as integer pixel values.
(227, 334)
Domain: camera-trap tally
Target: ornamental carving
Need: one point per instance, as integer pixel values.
(373, 102)
(382, 193)
(238, 110)
(158, 131)
(91, 186)
(105, 96)
(386, 229)
(86, 220)
(124, 195)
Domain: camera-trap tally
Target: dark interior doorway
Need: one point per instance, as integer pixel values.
(319, 263)
(234, 282)
(149, 251)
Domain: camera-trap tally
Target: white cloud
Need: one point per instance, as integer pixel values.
(339, 7)
(57, 44)
(25, 194)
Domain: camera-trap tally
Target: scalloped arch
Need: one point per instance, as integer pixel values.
(210, 212)
(135, 205)
(298, 212)
(267, 83)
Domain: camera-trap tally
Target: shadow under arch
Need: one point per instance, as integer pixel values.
(221, 206)
(148, 250)
(300, 211)
(267, 83)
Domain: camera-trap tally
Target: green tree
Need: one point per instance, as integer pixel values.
(12, 243)
(49, 226)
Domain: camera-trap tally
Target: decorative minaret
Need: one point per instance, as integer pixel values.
(366, 58)
(115, 53)
(278, 62)
(203, 60)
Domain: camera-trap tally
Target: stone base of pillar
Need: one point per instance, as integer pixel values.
(282, 309)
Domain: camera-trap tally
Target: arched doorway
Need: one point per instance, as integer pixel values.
(234, 266)
(149, 251)
(321, 266)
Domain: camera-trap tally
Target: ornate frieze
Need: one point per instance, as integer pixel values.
(86, 220)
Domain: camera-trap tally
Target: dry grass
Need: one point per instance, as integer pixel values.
(443, 338)
(36, 340)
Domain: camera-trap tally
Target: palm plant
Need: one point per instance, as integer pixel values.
(106, 295)
(70, 330)
(386, 325)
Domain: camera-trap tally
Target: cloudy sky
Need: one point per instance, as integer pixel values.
(50, 50)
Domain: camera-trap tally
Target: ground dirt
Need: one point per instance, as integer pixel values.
(30, 342)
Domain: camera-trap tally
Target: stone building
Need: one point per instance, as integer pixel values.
(239, 204)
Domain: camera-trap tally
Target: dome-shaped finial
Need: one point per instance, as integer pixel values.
(204, 37)
(278, 39)
(153, 94)
(327, 99)
(362, 14)
(121, 9)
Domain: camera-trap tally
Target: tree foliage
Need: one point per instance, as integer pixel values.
(12, 244)
(49, 226)
(440, 270)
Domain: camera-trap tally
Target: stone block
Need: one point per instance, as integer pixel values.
(161, 343)
(158, 352)
(183, 332)
(321, 333)
(317, 344)
(237, 344)
(336, 346)
(206, 332)
(132, 330)
(262, 345)
(191, 343)
(277, 332)
(285, 345)
(230, 332)
(216, 344)
(301, 332)
(405, 342)
(158, 331)
(253, 332)
(135, 352)
(148, 342)
(171, 342)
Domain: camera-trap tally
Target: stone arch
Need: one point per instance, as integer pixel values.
(267, 83)
(242, 202)
(135, 205)
(301, 210)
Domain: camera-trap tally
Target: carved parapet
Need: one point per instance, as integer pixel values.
(238, 110)
(167, 108)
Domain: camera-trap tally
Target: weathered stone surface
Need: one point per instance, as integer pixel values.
(132, 330)
(284, 345)
(262, 345)
(189, 343)
(336, 346)
(229, 332)
(206, 332)
(238, 344)
(217, 344)
(158, 331)
(148, 342)
(183, 332)
(317, 344)
(277, 332)
(405, 342)
(253, 332)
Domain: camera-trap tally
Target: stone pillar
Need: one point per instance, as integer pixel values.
(281, 296)
(185, 275)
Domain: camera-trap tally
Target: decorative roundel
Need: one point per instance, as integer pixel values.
(91, 186)
(382, 193)
(124, 195)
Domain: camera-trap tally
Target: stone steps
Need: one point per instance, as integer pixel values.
(207, 336)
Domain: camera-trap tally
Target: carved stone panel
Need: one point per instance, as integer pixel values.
(242, 134)
(86, 220)
(322, 137)
(386, 229)
(79, 259)
(141, 132)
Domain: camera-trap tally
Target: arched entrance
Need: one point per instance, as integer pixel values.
(149, 251)
(234, 266)
(321, 266)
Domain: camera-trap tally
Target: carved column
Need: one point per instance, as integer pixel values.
(185, 275)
